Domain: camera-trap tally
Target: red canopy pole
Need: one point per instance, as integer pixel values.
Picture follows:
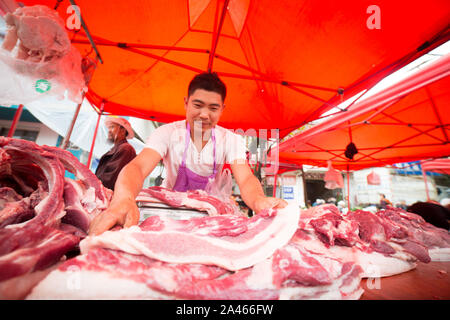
(348, 189)
(15, 121)
(426, 184)
(275, 185)
(95, 136)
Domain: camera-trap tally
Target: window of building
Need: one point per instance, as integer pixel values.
(30, 135)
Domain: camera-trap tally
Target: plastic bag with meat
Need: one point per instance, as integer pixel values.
(333, 178)
(37, 58)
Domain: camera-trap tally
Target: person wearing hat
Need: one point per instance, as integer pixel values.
(194, 152)
(110, 164)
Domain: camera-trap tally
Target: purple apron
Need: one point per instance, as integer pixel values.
(187, 179)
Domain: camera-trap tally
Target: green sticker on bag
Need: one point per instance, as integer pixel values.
(42, 85)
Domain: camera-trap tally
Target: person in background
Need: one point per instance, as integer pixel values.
(318, 202)
(445, 203)
(342, 206)
(432, 213)
(402, 205)
(112, 162)
(384, 202)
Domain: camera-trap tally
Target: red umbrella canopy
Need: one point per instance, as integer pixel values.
(283, 62)
(438, 165)
(408, 121)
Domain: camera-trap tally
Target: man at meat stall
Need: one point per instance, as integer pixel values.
(110, 164)
(193, 152)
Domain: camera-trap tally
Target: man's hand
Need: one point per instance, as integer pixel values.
(262, 202)
(123, 212)
(251, 189)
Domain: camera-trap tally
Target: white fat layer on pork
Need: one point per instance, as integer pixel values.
(200, 205)
(439, 254)
(184, 200)
(91, 285)
(280, 231)
(374, 264)
(261, 277)
(334, 291)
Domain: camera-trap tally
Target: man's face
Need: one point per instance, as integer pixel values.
(203, 108)
(113, 131)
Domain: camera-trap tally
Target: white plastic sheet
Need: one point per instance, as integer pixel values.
(34, 63)
(58, 116)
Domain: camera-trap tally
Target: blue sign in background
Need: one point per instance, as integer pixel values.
(288, 189)
(413, 168)
(288, 193)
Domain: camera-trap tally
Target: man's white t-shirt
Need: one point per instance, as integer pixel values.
(169, 141)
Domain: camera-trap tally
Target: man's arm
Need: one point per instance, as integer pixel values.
(251, 189)
(123, 209)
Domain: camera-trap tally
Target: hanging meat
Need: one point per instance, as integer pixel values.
(36, 33)
(38, 57)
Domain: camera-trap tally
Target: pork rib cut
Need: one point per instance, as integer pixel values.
(50, 209)
(42, 215)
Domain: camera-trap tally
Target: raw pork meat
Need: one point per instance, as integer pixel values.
(8, 195)
(437, 240)
(40, 31)
(35, 230)
(110, 274)
(291, 273)
(89, 179)
(385, 243)
(31, 247)
(37, 46)
(84, 198)
(32, 184)
(228, 241)
(21, 156)
(213, 257)
(197, 199)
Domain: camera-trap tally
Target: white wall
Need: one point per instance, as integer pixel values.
(45, 135)
(410, 188)
(364, 193)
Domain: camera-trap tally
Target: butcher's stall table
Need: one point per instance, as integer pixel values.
(429, 281)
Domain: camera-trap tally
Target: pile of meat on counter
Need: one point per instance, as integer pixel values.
(278, 254)
(43, 214)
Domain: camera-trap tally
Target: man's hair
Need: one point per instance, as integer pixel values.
(209, 82)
